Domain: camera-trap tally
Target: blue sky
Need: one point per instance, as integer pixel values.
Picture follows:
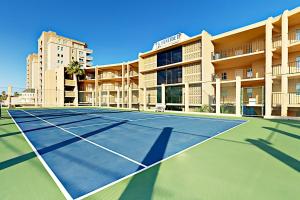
(117, 30)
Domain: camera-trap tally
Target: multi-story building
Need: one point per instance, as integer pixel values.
(253, 70)
(32, 71)
(54, 54)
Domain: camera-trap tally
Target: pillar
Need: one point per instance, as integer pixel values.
(35, 98)
(128, 83)
(268, 68)
(284, 64)
(108, 98)
(218, 95)
(238, 96)
(9, 94)
(130, 98)
(100, 98)
(186, 97)
(118, 97)
(93, 98)
(163, 96)
(123, 84)
(145, 98)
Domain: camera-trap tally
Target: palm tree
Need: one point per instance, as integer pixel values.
(74, 69)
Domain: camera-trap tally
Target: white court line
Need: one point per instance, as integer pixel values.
(48, 169)
(125, 119)
(102, 147)
(72, 127)
(163, 160)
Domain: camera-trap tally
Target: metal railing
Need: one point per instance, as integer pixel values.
(294, 36)
(294, 67)
(294, 98)
(276, 41)
(276, 69)
(276, 98)
(251, 47)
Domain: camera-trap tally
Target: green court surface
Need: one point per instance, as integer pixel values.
(257, 160)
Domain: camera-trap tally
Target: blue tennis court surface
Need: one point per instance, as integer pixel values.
(87, 149)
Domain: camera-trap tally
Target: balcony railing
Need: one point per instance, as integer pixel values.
(69, 94)
(109, 75)
(89, 58)
(109, 87)
(69, 82)
(294, 98)
(276, 41)
(88, 51)
(276, 70)
(276, 98)
(89, 64)
(294, 36)
(294, 67)
(252, 47)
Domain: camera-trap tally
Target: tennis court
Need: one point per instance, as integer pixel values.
(86, 150)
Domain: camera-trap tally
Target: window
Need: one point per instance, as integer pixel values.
(80, 53)
(80, 59)
(174, 94)
(58, 61)
(249, 92)
(62, 55)
(72, 58)
(169, 76)
(58, 48)
(224, 93)
(298, 64)
(224, 76)
(298, 88)
(298, 34)
(158, 96)
(61, 62)
(249, 73)
(169, 57)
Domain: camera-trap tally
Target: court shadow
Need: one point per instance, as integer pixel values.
(25, 157)
(292, 123)
(275, 130)
(141, 185)
(279, 155)
(9, 134)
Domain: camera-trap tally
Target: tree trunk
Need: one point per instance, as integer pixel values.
(76, 90)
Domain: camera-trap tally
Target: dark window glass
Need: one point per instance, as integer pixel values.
(169, 76)
(161, 77)
(158, 95)
(173, 94)
(169, 57)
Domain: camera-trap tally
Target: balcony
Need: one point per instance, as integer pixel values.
(109, 87)
(88, 51)
(294, 67)
(109, 76)
(293, 98)
(89, 58)
(276, 70)
(276, 42)
(69, 94)
(248, 48)
(89, 64)
(69, 82)
(294, 36)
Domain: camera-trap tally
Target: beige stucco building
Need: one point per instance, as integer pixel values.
(252, 71)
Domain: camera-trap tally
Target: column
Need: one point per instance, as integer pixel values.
(145, 98)
(163, 96)
(238, 96)
(108, 99)
(130, 98)
(186, 97)
(96, 86)
(218, 95)
(100, 97)
(284, 64)
(35, 97)
(93, 98)
(118, 97)
(123, 83)
(9, 93)
(268, 68)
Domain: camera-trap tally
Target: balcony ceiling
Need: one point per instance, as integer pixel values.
(294, 19)
(238, 61)
(244, 36)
